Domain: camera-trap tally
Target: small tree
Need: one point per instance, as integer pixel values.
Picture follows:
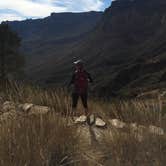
(10, 59)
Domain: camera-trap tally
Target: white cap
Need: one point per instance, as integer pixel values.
(78, 62)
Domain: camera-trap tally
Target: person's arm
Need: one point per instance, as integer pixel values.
(90, 78)
(72, 80)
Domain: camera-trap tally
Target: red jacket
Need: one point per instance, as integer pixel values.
(80, 79)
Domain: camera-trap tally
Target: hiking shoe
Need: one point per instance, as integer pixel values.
(91, 119)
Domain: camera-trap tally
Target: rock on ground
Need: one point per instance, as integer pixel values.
(26, 107)
(100, 123)
(156, 130)
(117, 123)
(81, 119)
(36, 110)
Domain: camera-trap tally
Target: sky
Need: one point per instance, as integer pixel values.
(25, 9)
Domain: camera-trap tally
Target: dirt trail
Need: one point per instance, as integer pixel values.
(92, 141)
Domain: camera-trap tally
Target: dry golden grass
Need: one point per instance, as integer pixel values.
(37, 141)
(57, 99)
(124, 149)
(143, 112)
(48, 140)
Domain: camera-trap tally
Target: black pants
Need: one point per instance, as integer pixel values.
(84, 98)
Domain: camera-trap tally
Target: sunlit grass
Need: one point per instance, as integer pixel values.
(37, 140)
(49, 140)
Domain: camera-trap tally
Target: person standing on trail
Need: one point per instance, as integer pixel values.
(80, 80)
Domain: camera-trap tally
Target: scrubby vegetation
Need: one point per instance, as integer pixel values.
(49, 140)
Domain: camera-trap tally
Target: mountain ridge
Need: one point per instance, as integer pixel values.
(130, 47)
(125, 50)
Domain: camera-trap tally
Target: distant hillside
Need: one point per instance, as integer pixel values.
(46, 40)
(137, 33)
(56, 26)
(126, 51)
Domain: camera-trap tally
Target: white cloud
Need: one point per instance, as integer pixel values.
(81, 5)
(10, 17)
(29, 8)
(42, 8)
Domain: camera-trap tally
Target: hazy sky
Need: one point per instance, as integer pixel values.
(23, 9)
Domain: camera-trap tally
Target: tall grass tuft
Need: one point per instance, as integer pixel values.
(124, 149)
(37, 141)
